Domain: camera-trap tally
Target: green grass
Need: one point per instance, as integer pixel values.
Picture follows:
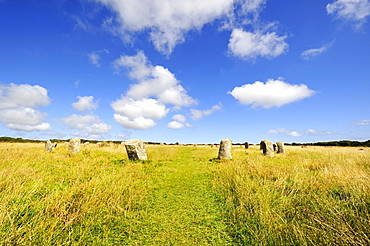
(181, 208)
(312, 196)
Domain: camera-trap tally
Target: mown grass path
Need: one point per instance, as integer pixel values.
(181, 208)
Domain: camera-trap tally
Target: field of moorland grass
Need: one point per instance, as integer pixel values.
(311, 196)
(98, 197)
(61, 199)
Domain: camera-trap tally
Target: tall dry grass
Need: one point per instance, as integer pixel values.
(96, 197)
(63, 199)
(311, 196)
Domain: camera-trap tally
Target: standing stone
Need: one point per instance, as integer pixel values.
(280, 148)
(224, 152)
(267, 148)
(74, 146)
(135, 149)
(275, 147)
(49, 146)
(246, 145)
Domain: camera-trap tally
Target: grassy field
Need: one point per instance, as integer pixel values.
(308, 196)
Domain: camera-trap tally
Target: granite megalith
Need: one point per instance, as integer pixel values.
(280, 148)
(224, 152)
(267, 148)
(49, 146)
(135, 149)
(74, 145)
(246, 145)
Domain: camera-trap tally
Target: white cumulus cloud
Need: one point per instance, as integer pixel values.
(22, 115)
(294, 134)
(85, 103)
(198, 114)
(87, 123)
(146, 107)
(137, 123)
(167, 21)
(24, 95)
(153, 81)
(179, 117)
(148, 99)
(175, 125)
(355, 11)
(248, 45)
(17, 107)
(138, 114)
(273, 93)
(29, 128)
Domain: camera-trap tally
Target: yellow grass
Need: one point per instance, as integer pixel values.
(46, 197)
(308, 196)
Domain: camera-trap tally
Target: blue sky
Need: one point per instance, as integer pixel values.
(188, 71)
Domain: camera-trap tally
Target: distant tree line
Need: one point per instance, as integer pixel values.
(18, 140)
(21, 140)
(344, 143)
